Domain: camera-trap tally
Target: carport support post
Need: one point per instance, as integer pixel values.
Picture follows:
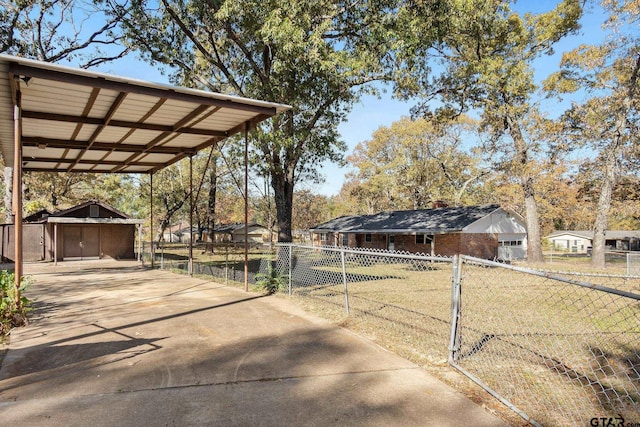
(246, 207)
(139, 242)
(17, 188)
(152, 250)
(190, 267)
(55, 244)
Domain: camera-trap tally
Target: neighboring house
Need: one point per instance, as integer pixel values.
(581, 241)
(234, 233)
(89, 230)
(486, 231)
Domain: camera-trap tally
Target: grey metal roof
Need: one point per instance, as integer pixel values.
(81, 121)
(439, 220)
(230, 228)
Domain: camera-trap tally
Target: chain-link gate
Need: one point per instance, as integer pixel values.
(558, 351)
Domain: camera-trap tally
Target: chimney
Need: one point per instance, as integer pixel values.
(439, 204)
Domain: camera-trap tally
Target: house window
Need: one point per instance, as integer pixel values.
(324, 237)
(368, 238)
(510, 243)
(94, 211)
(345, 239)
(423, 239)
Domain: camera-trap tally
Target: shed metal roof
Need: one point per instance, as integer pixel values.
(439, 220)
(81, 121)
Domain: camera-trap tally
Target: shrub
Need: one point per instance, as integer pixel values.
(13, 305)
(272, 281)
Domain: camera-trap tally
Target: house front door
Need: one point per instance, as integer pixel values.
(391, 245)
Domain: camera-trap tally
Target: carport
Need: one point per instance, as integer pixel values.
(61, 119)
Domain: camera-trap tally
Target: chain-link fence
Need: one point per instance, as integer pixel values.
(633, 263)
(558, 350)
(402, 301)
(223, 261)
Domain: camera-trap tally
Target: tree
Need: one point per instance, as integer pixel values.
(56, 31)
(309, 210)
(487, 52)
(608, 122)
(413, 163)
(318, 56)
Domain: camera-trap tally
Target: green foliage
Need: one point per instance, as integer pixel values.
(415, 162)
(271, 281)
(318, 56)
(14, 307)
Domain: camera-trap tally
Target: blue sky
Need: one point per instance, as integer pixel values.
(372, 113)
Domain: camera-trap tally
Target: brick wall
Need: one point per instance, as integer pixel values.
(477, 245)
(407, 242)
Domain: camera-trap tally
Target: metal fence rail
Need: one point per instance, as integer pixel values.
(559, 351)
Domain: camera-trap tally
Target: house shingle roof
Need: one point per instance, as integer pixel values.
(437, 220)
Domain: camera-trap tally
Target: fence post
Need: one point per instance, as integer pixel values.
(456, 290)
(162, 257)
(344, 280)
(628, 264)
(290, 266)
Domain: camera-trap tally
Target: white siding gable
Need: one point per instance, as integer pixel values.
(499, 222)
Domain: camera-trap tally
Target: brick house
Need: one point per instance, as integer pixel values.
(486, 231)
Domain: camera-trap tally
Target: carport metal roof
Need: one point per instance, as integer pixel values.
(81, 121)
(60, 119)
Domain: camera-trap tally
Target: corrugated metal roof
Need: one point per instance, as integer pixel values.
(81, 121)
(439, 220)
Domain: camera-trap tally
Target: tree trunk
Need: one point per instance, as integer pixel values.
(602, 210)
(521, 159)
(534, 240)
(283, 193)
(8, 194)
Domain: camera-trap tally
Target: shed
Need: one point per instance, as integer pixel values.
(89, 230)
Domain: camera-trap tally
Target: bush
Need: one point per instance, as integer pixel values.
(13, 305)
(271, 282)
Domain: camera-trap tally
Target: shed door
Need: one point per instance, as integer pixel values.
(81, 242)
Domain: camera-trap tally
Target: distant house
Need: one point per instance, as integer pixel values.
(89, 230)
(180, 233)
(234, 233)
(486, 231)
(581, 241)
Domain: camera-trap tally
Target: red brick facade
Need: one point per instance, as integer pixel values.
(480, 245)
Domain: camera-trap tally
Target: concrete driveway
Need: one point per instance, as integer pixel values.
(114, 344)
